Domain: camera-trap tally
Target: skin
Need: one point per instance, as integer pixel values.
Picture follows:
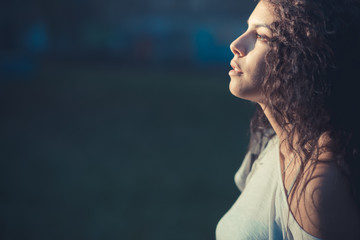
(326, 210)
(249, 53)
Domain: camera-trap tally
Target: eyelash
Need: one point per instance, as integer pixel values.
(262, 37)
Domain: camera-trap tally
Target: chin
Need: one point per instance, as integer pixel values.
(235, 93)
(238, 93)
(237, 90)
(246, 94)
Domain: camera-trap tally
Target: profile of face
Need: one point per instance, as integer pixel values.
(249, 54)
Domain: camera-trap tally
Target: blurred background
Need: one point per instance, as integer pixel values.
(116, 118)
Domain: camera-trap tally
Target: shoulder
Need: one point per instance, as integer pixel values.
(326, 208)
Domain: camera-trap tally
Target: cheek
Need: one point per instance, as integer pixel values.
(255, 63)
(258, 72)
(255, 70)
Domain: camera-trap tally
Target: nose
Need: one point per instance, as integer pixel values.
(238, 46)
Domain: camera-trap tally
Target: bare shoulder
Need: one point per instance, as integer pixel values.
(326, 208)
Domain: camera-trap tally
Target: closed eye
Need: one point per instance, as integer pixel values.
(262, 37)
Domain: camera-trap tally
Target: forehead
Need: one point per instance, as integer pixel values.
(263, 14)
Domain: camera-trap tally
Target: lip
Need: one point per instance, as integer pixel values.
(236, 71)
(235, 67)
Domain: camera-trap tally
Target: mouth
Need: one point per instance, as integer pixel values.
(235, 67)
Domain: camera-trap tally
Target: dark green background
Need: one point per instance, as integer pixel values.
(116, 118)
(102, 152)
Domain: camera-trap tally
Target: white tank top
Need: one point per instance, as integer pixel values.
(261, 211)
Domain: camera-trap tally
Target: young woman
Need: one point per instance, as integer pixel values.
(299, 61)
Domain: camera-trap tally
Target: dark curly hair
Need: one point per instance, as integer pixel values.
(312, 82)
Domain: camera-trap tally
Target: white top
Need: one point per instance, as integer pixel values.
(261, 211)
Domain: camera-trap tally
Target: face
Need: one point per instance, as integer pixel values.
(249, 54)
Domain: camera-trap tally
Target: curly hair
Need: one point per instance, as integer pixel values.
(311, 82)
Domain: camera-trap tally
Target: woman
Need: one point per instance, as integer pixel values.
(298, 61)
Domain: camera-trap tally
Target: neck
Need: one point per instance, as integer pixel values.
(280, 132)
(324, 142)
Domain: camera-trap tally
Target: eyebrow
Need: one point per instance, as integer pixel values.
(258, 25)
